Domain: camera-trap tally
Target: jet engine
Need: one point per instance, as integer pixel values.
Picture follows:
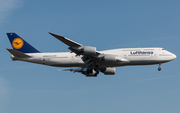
(109, 58)
(88, 50)
(109, 71)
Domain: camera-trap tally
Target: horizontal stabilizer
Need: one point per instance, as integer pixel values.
(18, 54)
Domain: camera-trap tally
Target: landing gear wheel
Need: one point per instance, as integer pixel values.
(97, 69)
(159, 69)
(89, 71)
(95, 75)
(97, 72)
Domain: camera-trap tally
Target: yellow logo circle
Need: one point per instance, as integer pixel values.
(17, 43)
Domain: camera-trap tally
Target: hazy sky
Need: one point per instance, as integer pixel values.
(105, 24)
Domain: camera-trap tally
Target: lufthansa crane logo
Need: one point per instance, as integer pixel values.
(17, 43)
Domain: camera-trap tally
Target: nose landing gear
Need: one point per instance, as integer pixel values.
(159, 69)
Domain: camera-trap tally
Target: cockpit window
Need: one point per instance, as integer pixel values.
(163, 49)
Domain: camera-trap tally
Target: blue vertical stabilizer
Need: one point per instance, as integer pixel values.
(20, 44)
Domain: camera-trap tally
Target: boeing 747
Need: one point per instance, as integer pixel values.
(87, 59)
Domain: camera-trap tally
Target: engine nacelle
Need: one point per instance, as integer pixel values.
(109, 58)
(109, 71)
(89, 50)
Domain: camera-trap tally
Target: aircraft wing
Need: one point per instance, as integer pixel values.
(90, 57)
(75, 47)
(66, 40)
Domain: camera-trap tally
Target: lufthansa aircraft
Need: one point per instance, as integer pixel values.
(87, 59)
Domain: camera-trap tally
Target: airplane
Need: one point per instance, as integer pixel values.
(87, 59)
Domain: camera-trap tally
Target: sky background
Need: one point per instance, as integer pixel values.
(105, 24)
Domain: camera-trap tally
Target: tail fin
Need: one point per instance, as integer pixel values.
(20, 45)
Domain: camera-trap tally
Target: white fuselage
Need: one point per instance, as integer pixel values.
(134, 56)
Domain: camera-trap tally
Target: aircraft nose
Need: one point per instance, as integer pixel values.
(173, 56)
(170, 56)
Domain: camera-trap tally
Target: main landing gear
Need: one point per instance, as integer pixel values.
(159, 69)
